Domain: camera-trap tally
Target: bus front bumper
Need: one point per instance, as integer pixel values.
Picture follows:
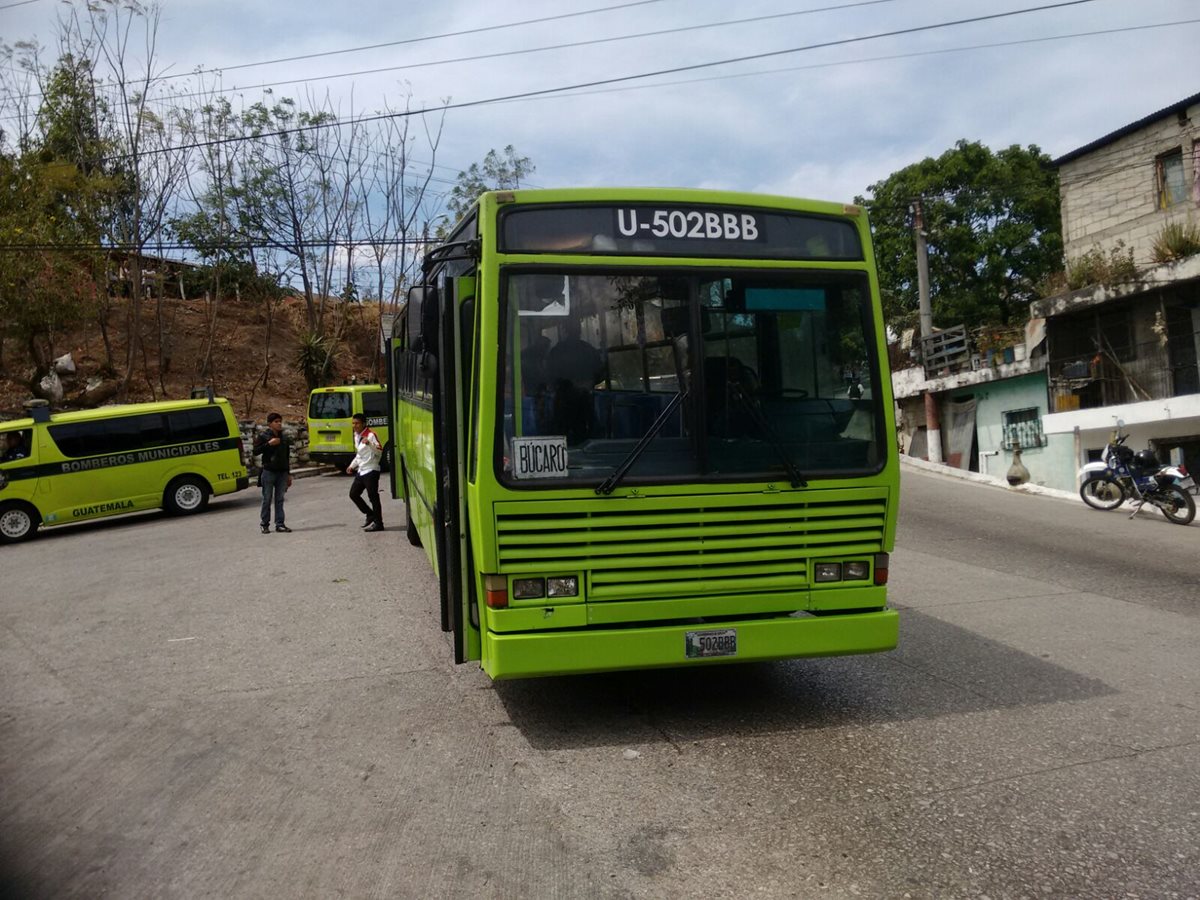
(604, 650)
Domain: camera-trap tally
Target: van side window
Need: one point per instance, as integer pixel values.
(374, 403)
(14, 445)
(206, 424)
(125, 433)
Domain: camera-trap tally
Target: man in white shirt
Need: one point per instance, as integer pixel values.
(365, 467)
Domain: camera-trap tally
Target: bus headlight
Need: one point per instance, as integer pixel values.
(528, 588)
(565, 586)
(827, 571)
(857, 571)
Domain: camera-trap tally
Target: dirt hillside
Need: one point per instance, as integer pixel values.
(239, 356)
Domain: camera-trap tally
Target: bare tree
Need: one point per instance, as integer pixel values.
(397, 204)
(148, 159)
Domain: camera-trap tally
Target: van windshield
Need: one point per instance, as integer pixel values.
(329, 405)
(736, 375)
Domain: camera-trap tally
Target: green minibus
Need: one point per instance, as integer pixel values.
(644, 428)
(330, 431)
(75, 466)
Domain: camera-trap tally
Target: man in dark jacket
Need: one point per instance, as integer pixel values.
(275, 477)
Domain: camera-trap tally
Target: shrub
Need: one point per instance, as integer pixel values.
(1094, 267)
(1175, 241)
(315, 359)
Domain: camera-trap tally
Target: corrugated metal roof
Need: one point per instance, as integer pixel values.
(1129, 129)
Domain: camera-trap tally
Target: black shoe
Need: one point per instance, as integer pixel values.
(283, 528)
(266, 529)
(367, 522)
(374, 526)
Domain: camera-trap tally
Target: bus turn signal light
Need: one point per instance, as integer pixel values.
(496, 589)
(881, 568)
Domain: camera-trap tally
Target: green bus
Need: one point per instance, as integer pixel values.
(330, 431)
(646, 428)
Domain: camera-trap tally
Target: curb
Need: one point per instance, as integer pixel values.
(312, 471)
(991, 480)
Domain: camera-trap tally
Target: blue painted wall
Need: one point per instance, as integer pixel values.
(993, 399)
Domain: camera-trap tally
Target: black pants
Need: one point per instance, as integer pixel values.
(370, 484)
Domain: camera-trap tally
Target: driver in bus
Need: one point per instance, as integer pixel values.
(573, 366)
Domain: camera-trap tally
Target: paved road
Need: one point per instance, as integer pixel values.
(189, 708)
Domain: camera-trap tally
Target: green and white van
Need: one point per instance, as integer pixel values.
(330, 432)
(76, 466)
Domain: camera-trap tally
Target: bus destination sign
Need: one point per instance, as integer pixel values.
(705, 224)
(666, 229)
(539, 457)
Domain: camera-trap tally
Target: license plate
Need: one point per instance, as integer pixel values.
(329, 435)
(1187, 483)
(699, 644)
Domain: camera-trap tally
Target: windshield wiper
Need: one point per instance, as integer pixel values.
(772, 439)
(610, 483)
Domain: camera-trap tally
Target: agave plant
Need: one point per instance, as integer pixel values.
(315, 358)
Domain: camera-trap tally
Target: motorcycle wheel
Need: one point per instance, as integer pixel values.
(1176, 504)
(1102, 493)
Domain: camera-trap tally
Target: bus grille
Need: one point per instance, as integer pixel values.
(689, 546)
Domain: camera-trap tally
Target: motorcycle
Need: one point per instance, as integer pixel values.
(1121, 474)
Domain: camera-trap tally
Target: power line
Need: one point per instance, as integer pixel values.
(1084, 179)
(871, 59)
(467, 104)
(502, 54)
(159, 246)
(22, 3)
(429, 37)
(416, 40)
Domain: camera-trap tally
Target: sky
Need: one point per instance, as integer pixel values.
(823, 123)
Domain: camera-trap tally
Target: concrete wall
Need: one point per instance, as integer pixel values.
(1112, 193)
(993, 399)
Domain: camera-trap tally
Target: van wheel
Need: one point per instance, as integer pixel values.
(18, 522)
(185, 495)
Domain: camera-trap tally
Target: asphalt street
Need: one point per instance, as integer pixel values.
(191, 709)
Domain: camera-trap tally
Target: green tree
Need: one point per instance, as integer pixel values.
(57, 200)
(993, 229)
(497, 172)
(51, 286)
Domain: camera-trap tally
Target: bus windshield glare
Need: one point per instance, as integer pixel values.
(735, 375)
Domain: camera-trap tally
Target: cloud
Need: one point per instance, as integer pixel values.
(826, 132)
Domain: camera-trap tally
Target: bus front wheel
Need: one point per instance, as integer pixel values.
(17, 523)
(185, 495)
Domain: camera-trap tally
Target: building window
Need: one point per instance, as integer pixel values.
(1024, 427)
(1172, 186)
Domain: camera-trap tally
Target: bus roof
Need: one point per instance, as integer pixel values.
(681, 195)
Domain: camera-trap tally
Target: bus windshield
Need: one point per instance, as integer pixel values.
(735, 376)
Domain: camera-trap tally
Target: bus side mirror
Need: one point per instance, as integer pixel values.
(427, 364)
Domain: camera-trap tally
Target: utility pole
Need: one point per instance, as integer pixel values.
(933, 428)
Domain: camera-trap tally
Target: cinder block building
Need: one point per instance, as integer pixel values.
(1127, 346)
